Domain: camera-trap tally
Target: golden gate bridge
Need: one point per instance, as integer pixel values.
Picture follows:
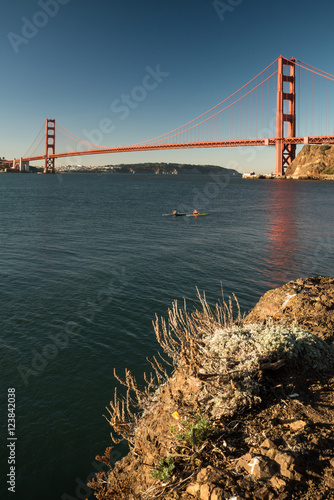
(286, 104)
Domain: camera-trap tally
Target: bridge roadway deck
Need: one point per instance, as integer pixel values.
(189, 145)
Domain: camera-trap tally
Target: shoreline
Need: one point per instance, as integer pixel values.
(291, 177)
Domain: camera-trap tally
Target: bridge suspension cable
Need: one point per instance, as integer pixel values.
(222, 110)
(31, 145)
(76, 138)
(314, 111)
(182, 129)
(312, 69)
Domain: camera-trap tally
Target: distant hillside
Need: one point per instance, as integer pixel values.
(173, 168)
(156, 168)
(313, 161)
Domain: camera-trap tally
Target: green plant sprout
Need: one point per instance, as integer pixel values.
(197, 432)
(164, 469)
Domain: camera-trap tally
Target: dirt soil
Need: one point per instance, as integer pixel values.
(283, 448)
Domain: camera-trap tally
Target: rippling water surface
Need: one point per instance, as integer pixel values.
(87, 260)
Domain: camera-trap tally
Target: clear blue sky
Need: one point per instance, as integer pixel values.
(72, 59)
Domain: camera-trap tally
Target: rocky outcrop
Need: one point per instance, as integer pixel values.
(308, 302)
(314, 162)
(249, 410)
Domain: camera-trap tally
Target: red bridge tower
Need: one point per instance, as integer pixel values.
(50, 140)
(285, 115)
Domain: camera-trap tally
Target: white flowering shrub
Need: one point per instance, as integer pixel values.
(244, 347)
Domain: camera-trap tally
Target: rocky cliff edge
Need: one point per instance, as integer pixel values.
(247, 412)
(315, 162)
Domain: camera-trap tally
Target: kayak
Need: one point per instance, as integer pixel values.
(187, 215)
(173, 215)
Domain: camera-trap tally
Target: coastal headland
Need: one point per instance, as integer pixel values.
(153, 168)
(316, 162)
(132, 168)
(313, 162)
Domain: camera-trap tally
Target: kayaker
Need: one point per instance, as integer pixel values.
(195, 212)
(174, 212)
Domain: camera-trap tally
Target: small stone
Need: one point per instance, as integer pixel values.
(204, 492)
(268, 443)
(298, 477)
(202, 475)
(278, 483)
(284, 496)
(243, 461)
(259, 467)
(284, 460)
(287, 473)
(330, 482)
(298, 425)
(315, 441)
(271, 453)
(193, 489)
(269, 449)
(263, 493)
(217, 494)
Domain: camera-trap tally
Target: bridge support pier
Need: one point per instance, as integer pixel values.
(285, 115)
(50, 144)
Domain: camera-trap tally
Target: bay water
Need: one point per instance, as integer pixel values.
(87, 260)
